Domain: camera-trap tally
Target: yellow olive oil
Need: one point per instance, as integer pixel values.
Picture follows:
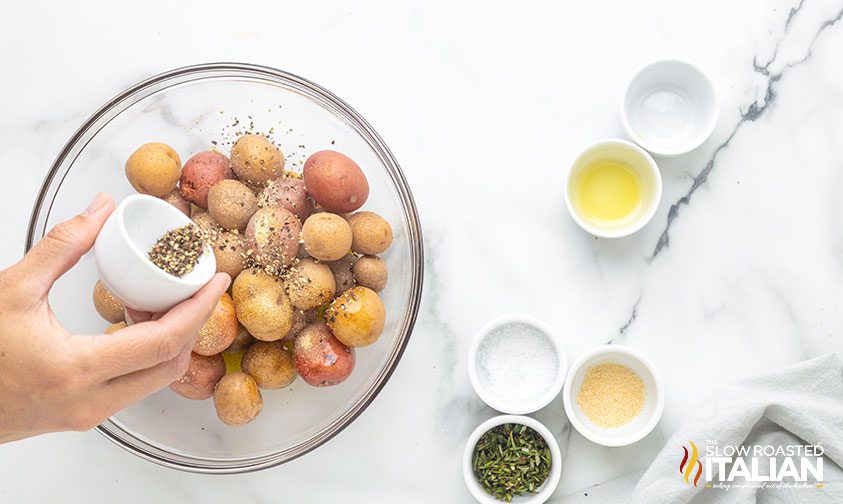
(607, 190)
(232, 361)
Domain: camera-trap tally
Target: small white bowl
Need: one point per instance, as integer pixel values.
(529, 402)
(669, 107)
(653, 396)
(545, 490)
(123, 264)
(645, 168)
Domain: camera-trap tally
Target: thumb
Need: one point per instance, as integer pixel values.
(64, 245)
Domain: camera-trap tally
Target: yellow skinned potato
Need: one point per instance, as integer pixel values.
(357, 317)
(241, 341)
(231, 203)
(371, 233)
(230, 253)
(270, 363)
(256, 160)
(326, 236)
(107, 305)
(310, 284)
(237, 399)
(154, 169)
(113, 328)
(261, 304)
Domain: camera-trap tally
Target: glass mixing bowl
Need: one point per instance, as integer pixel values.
(189, 109)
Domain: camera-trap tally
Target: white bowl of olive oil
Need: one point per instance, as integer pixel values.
(613, 188)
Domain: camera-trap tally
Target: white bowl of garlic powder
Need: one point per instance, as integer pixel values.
(613, 395)
(517, 364)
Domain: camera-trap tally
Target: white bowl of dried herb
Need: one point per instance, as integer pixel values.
(511, 458)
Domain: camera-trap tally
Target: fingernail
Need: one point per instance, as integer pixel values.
(98, 202)
(227, 281)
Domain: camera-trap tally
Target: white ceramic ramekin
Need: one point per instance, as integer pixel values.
(669, 107)
(645, 169)
(545, 490)
(124, 266)
(533, 403)
(639, 427)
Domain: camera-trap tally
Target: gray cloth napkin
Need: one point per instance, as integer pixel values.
(797, 405)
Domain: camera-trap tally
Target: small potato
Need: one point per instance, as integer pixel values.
(357, 317)
(154, 169)
(206, 222)
(326, 236)
(343, 270)
(200, 173)
(175, 199)
(261, 304)
(219, 331)
(203, 373)
(237, 399)
(287, 193)
(109, 307)
(371, 272)
(232, 204)
(371, 234)
(241, 341)
(301, 318)
(335, 181)
(256, 160)
(321, 359)
(113, 328)
(230, 253)
(272, 237)
(309, 284)
(270, 363)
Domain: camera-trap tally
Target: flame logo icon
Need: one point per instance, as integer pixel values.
(690, 462)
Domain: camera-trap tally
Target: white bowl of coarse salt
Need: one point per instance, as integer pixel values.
(517, 364)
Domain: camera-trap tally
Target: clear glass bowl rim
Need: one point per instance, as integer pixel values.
(110, 110)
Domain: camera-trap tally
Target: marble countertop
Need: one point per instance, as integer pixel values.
(484, 105)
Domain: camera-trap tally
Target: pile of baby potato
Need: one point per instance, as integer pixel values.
(303, 259)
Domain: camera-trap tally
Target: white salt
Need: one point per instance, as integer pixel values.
(516, 362)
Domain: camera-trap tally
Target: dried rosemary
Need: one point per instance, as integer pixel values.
(511, 459)
(178, 251)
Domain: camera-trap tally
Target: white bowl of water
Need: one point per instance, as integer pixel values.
(669, 107)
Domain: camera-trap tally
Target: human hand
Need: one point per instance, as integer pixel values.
(51, 380)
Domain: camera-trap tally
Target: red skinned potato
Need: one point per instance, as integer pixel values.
(272, 237)
(321, 359)
(203, 373)
(200, 173)
(335, 181)
(287, 193)
(175, 199)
